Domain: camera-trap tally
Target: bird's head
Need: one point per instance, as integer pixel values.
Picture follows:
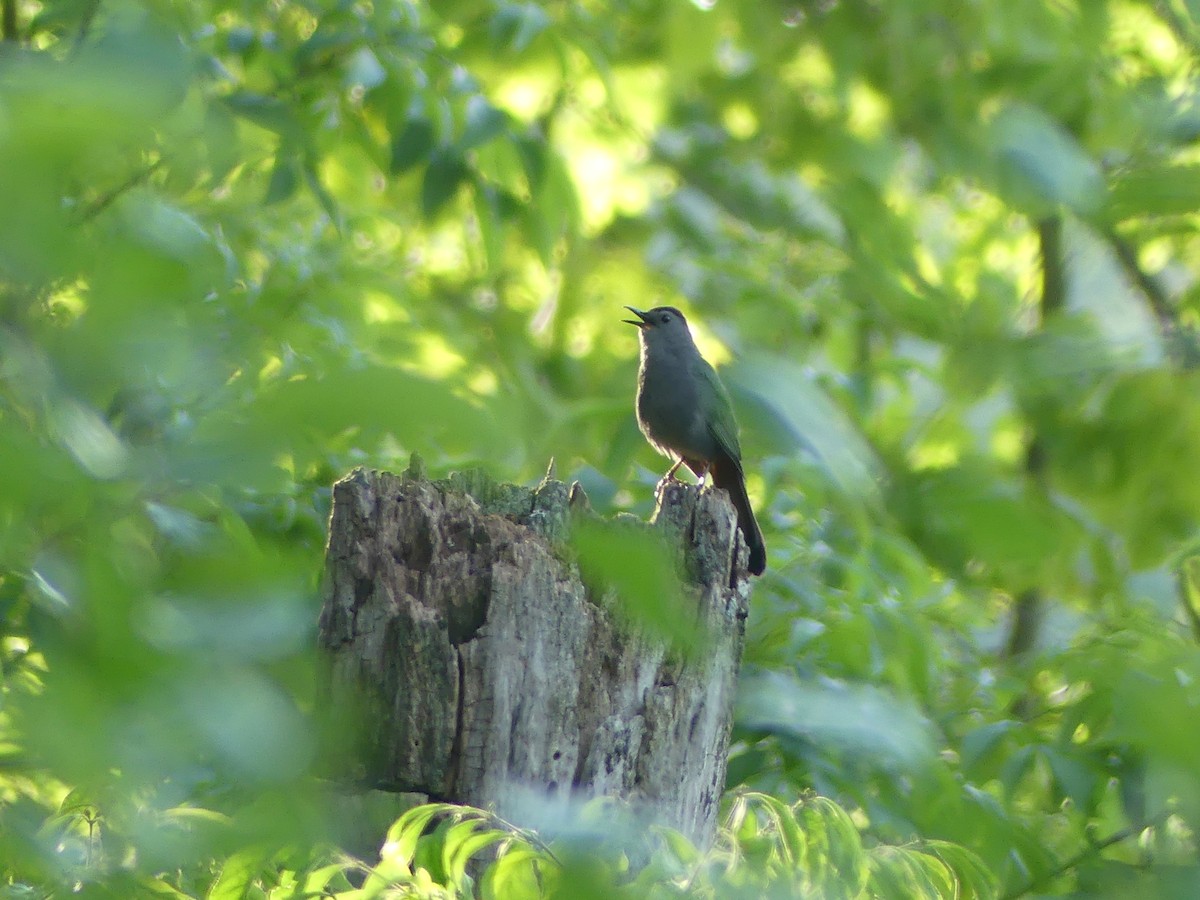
(662, 326)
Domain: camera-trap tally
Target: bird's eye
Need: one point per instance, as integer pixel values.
(666, 317)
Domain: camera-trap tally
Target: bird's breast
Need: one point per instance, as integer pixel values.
(668, 411)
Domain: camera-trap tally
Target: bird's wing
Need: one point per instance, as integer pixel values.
(721, 422)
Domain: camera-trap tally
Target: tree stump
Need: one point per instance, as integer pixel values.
(480, 667)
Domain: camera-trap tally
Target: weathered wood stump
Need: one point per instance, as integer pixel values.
(478, 665)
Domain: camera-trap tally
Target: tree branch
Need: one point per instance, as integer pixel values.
(1026, 618)
(1054, 274)
(1182, 346)
(1173, 335)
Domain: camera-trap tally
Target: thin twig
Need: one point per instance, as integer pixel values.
(1182, 346)
(105, 200)
(1083, 856)
(1156, 297)
(8, 21)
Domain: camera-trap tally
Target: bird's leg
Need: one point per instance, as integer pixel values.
(671, 471)
(704, 473)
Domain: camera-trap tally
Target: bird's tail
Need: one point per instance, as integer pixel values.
(727, 474)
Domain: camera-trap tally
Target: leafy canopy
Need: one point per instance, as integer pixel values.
(944, 254)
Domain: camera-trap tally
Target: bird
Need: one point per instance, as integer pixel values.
(685, 413)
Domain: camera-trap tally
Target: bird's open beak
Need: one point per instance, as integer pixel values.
(641, 316)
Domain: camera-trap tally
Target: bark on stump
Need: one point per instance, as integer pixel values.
(478, 666)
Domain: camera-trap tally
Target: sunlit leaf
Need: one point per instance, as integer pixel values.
(515, 875)
(974, 880)
(237, 875)
(405, 832)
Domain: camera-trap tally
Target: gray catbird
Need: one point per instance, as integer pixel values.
(685, 413)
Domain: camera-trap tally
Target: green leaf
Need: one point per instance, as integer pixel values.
(364, 70)
(502, 164)
(834, 860)
(936, 874)
(983, 747)
(442, 179)
(515, 25)
(516, 875)
(285, 178)
(323, 879)
(413, 144)
(738, 810)
(491, 227)
(792, 836)
(799, 414)
(975, 881)
(220, 139)
(860, 719)
(636, 567)
(430, 854)
(155, 887)
(965, 515)
(890, 878)
(1044, 163)
(1076, 776)
(1016, 767)
(193, 814)
(237, 874)
(899, 873)
(266, 112)
(684, 851)
(554, 211)
(300, 415)
(328, 204)
(484, 122)
(405, 833)
(168, 228)
(462, 843)
(1159, 190)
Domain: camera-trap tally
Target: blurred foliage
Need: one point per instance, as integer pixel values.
(765, 848)
(952, 247)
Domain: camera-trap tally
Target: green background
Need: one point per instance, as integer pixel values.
(944, 254)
